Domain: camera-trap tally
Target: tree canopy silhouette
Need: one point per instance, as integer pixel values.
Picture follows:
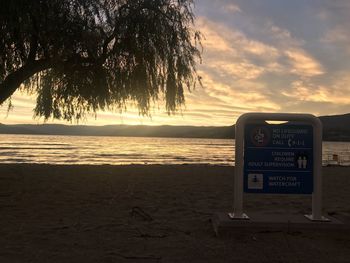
(80, 56)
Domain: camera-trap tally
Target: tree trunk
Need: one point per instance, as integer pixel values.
(12, 82)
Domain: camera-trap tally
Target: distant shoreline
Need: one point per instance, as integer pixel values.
(129, 136)
(336, 128)
(346, 139)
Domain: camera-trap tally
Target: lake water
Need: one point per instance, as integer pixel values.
(133, 150)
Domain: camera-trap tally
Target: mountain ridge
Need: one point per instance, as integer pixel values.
(335, 128)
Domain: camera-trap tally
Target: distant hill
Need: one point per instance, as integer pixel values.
(121, 130)
(335, 128)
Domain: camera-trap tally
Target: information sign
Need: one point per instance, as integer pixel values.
(278, 158)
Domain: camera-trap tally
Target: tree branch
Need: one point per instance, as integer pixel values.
(34, 41)
(12, 82)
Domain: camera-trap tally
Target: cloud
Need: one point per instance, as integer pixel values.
(219, 37)
(243, 93)
(232, 53)
(235, 74)
(338, 37)
(281, 37)
(302, 91)
(303, 64)
(335, 95)
(232, 8)
(240, 70)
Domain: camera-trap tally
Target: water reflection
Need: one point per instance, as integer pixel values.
(132, 150)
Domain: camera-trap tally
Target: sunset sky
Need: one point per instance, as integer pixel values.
(271, 55)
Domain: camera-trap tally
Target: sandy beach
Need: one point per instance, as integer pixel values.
(153, 213)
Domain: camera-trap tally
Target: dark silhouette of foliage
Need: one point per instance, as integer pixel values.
(80, 56)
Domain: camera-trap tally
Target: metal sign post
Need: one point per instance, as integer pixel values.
(283, 159)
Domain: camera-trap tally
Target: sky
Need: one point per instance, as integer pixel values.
(258, 56)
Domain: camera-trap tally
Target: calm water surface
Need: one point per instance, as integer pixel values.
(132, 150)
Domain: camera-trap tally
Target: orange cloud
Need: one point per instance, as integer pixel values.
(303, 64)
(336, 93)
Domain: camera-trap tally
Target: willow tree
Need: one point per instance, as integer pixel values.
(81, 56)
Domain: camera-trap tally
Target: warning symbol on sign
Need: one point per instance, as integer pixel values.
(260, 136)
(255, 181)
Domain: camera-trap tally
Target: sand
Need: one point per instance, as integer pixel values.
(152, 214)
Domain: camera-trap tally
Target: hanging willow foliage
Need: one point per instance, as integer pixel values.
(80, 56)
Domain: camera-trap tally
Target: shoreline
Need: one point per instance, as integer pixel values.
(144, 165)
(149, 136)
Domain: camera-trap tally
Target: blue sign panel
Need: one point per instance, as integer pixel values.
(278, 158)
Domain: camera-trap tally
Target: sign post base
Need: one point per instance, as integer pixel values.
(234, 216)
(275, 221)
(322, 219)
